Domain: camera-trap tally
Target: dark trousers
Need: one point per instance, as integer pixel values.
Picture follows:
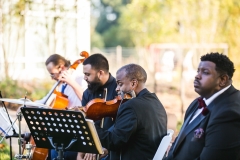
(68, 155)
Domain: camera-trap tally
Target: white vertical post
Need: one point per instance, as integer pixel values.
(119, 56)
(83, 25)
(1, 40)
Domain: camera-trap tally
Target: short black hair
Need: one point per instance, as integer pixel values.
(222, 62)
(97, 62)
(56, 59)
(134, 71)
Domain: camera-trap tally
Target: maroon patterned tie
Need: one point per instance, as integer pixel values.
(202, 104)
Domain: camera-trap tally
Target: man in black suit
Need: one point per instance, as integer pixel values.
(211, 129)
(141, 122)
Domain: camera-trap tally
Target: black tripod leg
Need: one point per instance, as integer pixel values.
(10, 141)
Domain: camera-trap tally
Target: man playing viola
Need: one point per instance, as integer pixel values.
(141, 122)
(96, 74)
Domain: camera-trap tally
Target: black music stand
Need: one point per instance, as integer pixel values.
(61, 130)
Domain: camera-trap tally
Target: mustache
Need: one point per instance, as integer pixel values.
(196, 81)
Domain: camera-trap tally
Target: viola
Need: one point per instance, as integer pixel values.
(61, 100)
(98, 108)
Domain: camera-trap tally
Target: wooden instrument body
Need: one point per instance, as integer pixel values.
(98, 108)
(38, 153)
(60, 102)
(34, 153)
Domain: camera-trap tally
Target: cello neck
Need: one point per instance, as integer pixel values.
(51, 91)
(53, 88)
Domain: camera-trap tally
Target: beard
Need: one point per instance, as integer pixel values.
(95, 85)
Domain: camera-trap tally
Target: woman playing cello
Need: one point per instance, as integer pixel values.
(67, 94)
(60, 69)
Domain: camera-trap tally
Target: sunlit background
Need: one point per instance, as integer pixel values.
(166, 37)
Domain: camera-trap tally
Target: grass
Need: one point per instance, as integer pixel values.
(179, 125)
(4, 151)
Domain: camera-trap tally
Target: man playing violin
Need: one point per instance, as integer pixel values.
(96, 74)
(141, 122)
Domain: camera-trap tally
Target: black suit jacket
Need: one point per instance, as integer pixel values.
(111, 86)
(140, 125)
(221, 126)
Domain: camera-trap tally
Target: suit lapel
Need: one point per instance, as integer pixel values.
(187, 128)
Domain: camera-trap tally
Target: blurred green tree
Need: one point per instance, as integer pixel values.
(107, 25)
(184, 21)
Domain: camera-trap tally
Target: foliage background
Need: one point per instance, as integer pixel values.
(141, 23)
(126, 23)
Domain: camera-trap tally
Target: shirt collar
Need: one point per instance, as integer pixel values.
(110, 79)
(209, 100)
(142, 92)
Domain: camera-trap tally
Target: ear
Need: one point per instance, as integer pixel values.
(134, 83)
(223, 80)
(101, 73)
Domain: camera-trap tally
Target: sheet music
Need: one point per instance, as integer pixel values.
(5, 123)
(95, 135)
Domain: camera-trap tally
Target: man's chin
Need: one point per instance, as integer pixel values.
(94, 88)
(197, 90)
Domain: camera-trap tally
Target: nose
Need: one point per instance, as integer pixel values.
(54, 78)
(117, 89)
(198, 76)
(85, 77)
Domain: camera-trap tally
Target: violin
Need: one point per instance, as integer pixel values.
(98, 108)
(61, 100)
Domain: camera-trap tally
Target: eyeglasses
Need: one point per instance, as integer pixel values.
(53, 74)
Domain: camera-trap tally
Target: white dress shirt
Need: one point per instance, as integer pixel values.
(72, 96)
(208, 101)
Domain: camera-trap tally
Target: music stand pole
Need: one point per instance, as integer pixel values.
(60, 149)
(14, 132)
(20, 155)
(10, 141)
(19, 115)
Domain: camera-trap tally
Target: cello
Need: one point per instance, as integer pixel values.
(60, 102)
